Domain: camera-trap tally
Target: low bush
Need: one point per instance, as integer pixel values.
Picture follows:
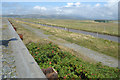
(66, 64)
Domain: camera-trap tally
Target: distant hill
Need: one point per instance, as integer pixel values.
(46, 16)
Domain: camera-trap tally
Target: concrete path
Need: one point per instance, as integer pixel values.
(97, 35)
(26, 66)
(99, 57)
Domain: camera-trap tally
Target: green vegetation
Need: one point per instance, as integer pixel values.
(105, 21)
(103, 46)
(29, 36)
(109, 28)
(66, 64)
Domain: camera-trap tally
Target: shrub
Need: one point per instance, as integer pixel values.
(67, 65)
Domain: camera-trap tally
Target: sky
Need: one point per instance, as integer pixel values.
(106, 9)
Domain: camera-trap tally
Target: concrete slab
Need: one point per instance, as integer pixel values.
(26, 66)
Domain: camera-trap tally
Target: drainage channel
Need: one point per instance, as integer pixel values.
(98, 35)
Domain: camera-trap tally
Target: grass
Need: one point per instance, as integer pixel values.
(29, 37)
(85, 25)
(97, 44)
(89, 69)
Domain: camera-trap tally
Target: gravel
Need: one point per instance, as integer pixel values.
(8, 62)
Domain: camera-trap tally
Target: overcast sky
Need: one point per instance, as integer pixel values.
(99, 10)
